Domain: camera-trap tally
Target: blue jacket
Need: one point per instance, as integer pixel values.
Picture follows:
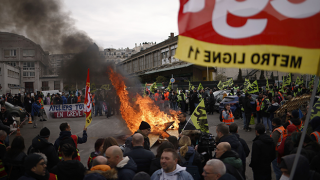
(141, 157)
(68, 133)
(182, 175)
(64, 100)
(128, 171)
(35, 108)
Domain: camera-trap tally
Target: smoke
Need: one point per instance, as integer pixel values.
(45, 22)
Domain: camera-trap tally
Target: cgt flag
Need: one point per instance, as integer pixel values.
(199, 118)
(315, 110)
(253, 88)
(246, 84)
(220, 85)
(287, 80)
(87, 102)
(251, 34)
(267, 85)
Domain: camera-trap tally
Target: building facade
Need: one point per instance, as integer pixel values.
(56, 61)
(29, 60)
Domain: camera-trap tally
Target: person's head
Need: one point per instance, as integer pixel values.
(227, 106)
(163, 146)
(35, 163)
(137, 140)
(65, 127)
(114, 155)
(260, 129)
(213, 169)
(182, 117)
(222, 148)
(295, 114)
(98, 145)
(108, 142)
(145, 128)
(45, 133)
(276, 122)
(265, 95)
(3, 135)
(174, 141)
(302, 170)
(99, 160)
(169, 160)
(222, 130)
(17, 146)
(67, 150)
(291, 129)
(233, 128)
(3, 109)
(141, 176)
(184, 142)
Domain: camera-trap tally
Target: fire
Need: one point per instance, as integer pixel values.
(143, 109)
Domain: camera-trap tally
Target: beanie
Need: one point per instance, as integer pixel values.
(141, 176)
(144, 125)
(295, 114)
(31, 161)
(291, 128)
(45, 132)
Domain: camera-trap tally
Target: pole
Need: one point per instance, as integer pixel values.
(185, 125)
(304, 128)
(208, 74)
(172, 83)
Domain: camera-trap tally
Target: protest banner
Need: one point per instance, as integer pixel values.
(64, 110)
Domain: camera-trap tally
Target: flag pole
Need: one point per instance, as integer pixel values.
(296, 159)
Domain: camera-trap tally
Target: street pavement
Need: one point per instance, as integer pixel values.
(114, 126)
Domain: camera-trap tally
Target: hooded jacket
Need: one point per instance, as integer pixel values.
(262, 154)
(273, 109)
(126, 168)
(179, 172)
(233, 164)
(71, 169)
(235, 145)
(68, 133)
(42, 145)
(244, 144)
(141, 157)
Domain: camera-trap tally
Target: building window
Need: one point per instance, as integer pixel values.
(57, 85)
(28, 52)
(28, 66)
(12, 64)
(45, 86)
(10, 53)
(28, 74)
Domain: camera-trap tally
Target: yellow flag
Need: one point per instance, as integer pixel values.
(315, 110)
(253, 88)
(199, 118)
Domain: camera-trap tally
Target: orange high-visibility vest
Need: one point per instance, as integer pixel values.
(75, 140)
(229, 120)
(166, 96)
(298, 127)
(281, 95)
(283, 134)
(156, 97)
(258, 105)
(79, 99)
(317, 135)
(93, 101)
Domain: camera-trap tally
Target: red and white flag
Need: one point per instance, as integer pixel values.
(87, 101)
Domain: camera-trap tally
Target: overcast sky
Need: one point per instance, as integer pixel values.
(122, 23)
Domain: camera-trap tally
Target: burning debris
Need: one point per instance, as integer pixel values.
(140, 108)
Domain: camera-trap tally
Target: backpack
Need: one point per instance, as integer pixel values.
(193, 170)
(69, 140)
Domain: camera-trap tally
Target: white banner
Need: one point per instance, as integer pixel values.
(64, 110)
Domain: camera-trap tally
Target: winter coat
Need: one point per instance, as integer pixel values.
(35, 109)
(42, 145)
(247, 106)
(155, 165)
(64, 100)
(233, 164)
(68, 133)
(211, 99)
(244, 144)
(180, 172)
(227, 176)
(28, 104)
(72, 169)
(173, 98)
(194, 97)
(235, 145)
(128, 142)
(264, 108)
(272, 109)
(32, 176)
(126, 168)
(262, 154)
(14, 165)
(197, 161)
(141, 157)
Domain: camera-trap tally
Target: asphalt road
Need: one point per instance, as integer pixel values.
(114, 126)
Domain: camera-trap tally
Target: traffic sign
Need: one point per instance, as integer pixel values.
(172, 80)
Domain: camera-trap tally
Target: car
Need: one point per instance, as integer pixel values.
(234, 102)
(15, 111)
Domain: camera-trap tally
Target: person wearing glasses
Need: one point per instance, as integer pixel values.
(215, 169)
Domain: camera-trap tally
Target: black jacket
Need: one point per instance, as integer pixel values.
(14, 165)
(263, 110)
(194, 97)
(211, 99)
(235, 145)
(128, 171)
(247, 106)
(42, 145)
(197, 161)
(263, 153)
(244, 144)
(155, 165)
(66, 170)
(128, 143)
(141, 157)
(189, 126)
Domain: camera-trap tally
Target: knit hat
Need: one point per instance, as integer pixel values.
(45, 132)
(291, 128)
(295, 114)
(144, 125)
(31, 161)
(141, 176)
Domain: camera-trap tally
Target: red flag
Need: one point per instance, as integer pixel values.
(87, 101)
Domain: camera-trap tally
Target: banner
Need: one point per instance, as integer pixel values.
(246, 84)
(287, 80)
(64, 110)
(220, 85)
(297, 81)
(253, 88)
(191, 87)
(279, 35)
(199, 118)
(200, 87)
(87, 101)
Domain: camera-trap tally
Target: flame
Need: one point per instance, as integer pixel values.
(143, 109)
